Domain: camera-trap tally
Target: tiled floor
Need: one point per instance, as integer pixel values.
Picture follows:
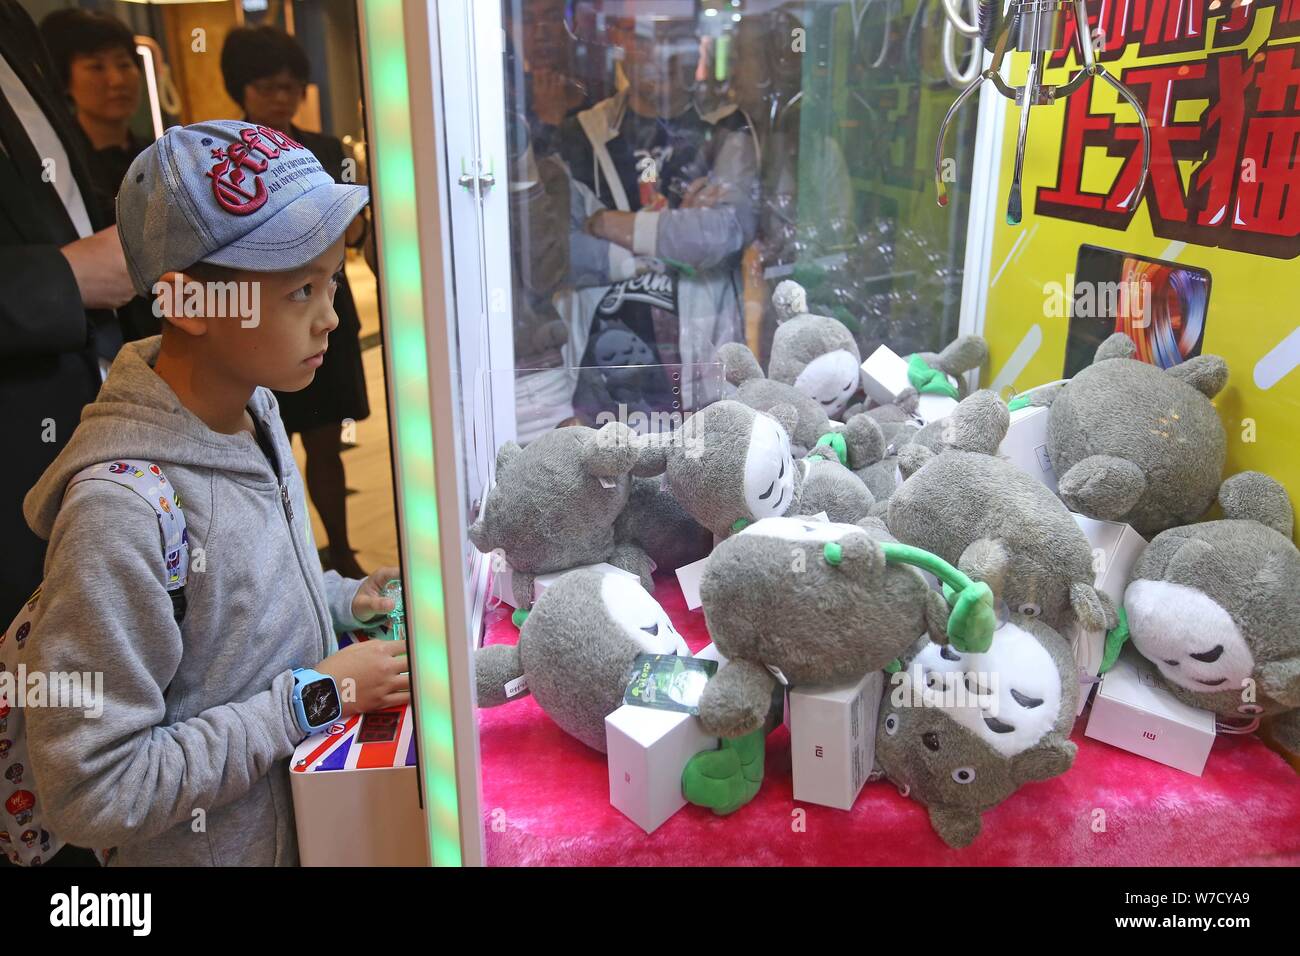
(371, 523)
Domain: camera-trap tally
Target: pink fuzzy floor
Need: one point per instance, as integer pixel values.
(546, 802)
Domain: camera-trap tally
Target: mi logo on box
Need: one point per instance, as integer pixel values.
(1148, 735)
(818, 751)
(1044, 462)
(627, 778)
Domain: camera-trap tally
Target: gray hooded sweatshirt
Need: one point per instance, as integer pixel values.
(188, 763)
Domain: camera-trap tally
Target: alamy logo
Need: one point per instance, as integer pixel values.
(73, 909)
(70, 690)
(210, 300)
(655, 288)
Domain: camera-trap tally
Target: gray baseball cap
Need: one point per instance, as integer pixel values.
(231, 194)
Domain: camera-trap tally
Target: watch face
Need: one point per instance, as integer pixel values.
(321, 702)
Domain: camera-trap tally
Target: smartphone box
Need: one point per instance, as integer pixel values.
(1026, 443)
(342, 775)
(1116, 549)
(502, 588)
(1135, 712)
(931, 408)
(688, 576)
(833, 739)
(648, 750)
(884, 375)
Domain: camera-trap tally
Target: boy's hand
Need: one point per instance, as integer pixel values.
(369, 675)
(370, 601)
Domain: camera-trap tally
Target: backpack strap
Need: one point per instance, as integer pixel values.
(147, 480)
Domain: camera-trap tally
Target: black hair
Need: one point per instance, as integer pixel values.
(72, 32)
(254, 53)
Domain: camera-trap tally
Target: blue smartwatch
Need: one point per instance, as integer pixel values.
(316, 702)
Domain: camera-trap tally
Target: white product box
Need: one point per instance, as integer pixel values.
(648, 749)
(833, 739)
(884, 378)
(1026, 443)
(688, 576)
(502, 587)
(884, 375)
(340, 777)
(1116, 549)
(1134, 712)
(931, 408)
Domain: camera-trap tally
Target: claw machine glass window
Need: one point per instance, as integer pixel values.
(580, 205)
(603, 210)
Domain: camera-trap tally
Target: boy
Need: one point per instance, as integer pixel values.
(188, 764)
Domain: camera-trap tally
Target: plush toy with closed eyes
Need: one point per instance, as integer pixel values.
(730, 466)
(815, 354)
(763, 394)
(1215, 607)
(960, 732)
(575, 649)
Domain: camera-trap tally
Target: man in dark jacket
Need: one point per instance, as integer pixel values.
(63, 275)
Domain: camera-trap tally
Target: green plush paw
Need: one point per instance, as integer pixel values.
(835, 441)
(927, 380)
(973, 620)
(518, 618)
(726, 779)
(1116, 638)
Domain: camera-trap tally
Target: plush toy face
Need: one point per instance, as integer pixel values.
(619, 346)
(769, 470)
(640, 617)
(810, 423)
(577, 644)
(771, 596)
(831, 379)
(721, 464)
(1214, 606)
(962, 732)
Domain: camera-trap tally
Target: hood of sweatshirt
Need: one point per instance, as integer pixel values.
(137, 415)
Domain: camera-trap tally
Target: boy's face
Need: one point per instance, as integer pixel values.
(281, 340)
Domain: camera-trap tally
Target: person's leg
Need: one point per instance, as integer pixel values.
(328, 489)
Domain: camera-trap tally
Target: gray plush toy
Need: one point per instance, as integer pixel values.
(806, 602)
(555, 502)
(656, 521)
(764, 394)
(1215, 607)
(995, 522)
(815, 354)
(729, 466)
(1133, 443)
(575, 649)
(962, 732)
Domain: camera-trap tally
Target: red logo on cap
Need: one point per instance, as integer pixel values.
(227, 173)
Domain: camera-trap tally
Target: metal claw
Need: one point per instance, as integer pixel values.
(962, 97)
(1033, 24)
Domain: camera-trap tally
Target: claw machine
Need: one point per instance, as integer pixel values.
(591, 211)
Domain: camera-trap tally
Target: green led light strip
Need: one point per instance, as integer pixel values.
(393, 176)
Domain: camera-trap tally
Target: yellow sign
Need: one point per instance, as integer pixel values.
(1214, 242)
